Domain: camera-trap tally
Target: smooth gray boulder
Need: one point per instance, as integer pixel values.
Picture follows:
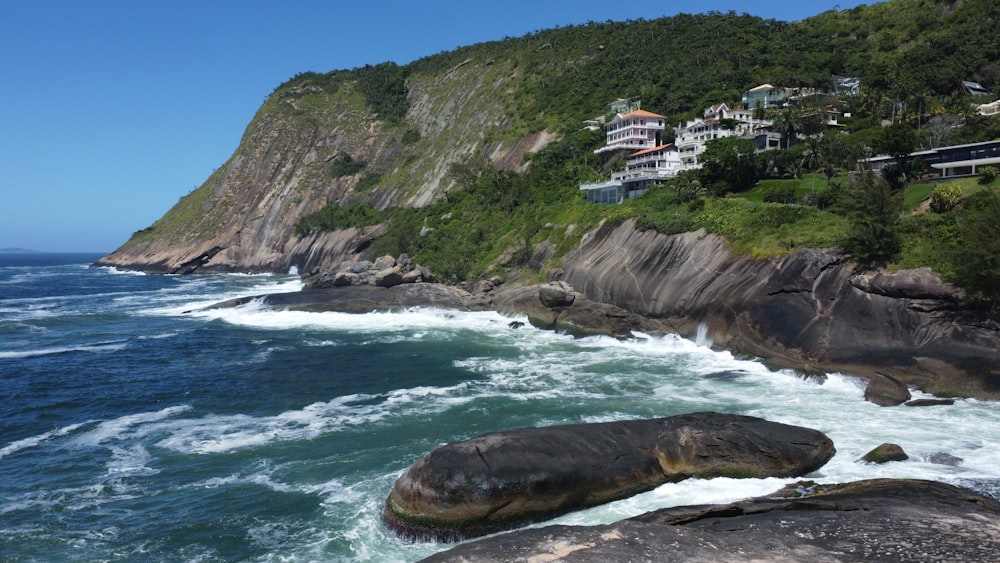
(502, 480)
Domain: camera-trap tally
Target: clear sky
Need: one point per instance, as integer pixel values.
(111, 110)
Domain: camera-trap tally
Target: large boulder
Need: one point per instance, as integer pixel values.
(502, 480)
(878, 520)
(886, 391)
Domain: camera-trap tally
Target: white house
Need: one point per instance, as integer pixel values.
(765, 96)
(992, 108)
(691, 137)
(635, 130)
(643, 170)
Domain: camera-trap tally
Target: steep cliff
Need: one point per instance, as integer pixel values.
(243, 217)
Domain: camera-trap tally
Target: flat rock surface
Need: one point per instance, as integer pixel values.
(878, 520)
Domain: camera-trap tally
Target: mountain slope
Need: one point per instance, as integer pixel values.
(404, 127)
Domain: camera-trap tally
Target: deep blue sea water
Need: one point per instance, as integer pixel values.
(134, 427)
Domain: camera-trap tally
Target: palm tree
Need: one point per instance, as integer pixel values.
(788, 122)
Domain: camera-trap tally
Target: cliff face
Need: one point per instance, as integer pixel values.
(810, 309)
(243, 218)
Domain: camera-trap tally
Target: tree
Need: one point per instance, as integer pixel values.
(897, 141)
(687, 186)
(976, 258)
(788, 122)
(940, 128)
(873, 207)
(730, 164)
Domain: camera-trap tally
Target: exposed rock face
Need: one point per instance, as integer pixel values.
(502, 480)
(575, 313)
(809, 309)
(242, 219)
(879, 520)
(385, 271)
(885, 453)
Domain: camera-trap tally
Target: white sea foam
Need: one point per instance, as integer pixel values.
(683, 493)
(105, 347)
(256, 314)
(33, 441)
(216, 434)
(130, 427)
(121, 272)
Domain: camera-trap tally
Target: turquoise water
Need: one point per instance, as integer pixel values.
(133, 429)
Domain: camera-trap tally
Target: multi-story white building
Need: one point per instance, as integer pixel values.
(635, 130)
(718, 122)
(643, 170)
(649, 162)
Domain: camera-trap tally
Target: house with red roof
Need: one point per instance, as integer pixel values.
(636, 130)
(643, 170)
(637, 136)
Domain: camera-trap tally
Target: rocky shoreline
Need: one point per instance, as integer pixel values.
(896, 520)
(809, 311)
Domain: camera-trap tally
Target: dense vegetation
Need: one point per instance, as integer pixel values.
(911, 56)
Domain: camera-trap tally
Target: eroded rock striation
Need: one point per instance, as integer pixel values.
(811, 309)
(877, 520)
(502, 480)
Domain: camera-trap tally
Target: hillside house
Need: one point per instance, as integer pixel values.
(633, 131)
(643, 170)
(718, 122)
(974, 88)
(950, 162)
(992, 108)
(765, 96)
(846, 85)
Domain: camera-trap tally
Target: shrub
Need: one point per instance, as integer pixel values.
(987, 174)
(977, 255)
(332, 218)
(784, 193)
(669, 225)
(945, 197)
(410, 136)
(344, 165)
(874, 207)
(368, 182)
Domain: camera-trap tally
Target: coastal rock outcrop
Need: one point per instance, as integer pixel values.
(385, 271)
(502, 480)
(810, 309)
(877, 520)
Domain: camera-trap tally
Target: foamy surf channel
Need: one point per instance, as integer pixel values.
(194, 293)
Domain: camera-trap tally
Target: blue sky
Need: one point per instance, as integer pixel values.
(111, 110)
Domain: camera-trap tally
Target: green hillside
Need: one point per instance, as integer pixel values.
(483, 216)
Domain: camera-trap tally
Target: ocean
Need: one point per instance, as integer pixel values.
(135, 426)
